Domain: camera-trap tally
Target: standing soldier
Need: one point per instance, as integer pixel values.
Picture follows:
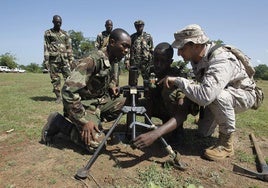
(141, 49)
(160, 101)
(58, 54)
(102, 42)
(103, 37)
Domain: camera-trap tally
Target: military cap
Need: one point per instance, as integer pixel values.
(191, 33)
(139, 22)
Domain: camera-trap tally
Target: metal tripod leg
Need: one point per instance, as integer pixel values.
(83, 172)
(174, 155)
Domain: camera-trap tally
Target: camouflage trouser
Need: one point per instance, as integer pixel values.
(229, 102)
(107, 111)
(97, 113)
(206, 122)
(143, 69)
(55, 69)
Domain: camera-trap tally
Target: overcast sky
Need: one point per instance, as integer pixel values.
(241, 23)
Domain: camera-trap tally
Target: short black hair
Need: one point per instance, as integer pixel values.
(108, 22)
(166, 48)
(56, 16)
(117, 33)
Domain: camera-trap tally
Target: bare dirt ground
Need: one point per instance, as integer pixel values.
(28, 163)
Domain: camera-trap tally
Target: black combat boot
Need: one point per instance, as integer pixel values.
(55, 123)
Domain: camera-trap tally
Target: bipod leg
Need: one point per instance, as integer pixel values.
(174, 155)
(83, 172)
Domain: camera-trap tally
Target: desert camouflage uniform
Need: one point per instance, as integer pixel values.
(86, 93)
(225, 89)
(141, 52)
(57, 56)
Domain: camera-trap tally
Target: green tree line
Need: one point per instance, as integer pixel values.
(82, 46)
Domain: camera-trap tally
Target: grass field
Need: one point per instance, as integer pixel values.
(26, 101)
(256, 120)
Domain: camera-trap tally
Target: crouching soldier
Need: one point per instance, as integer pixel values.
(224, 87)
(88, 95)
(160, 101)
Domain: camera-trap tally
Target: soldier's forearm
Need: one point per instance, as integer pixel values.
(167, 127)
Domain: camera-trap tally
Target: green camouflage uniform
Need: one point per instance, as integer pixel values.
(101, 44)
(162, 102)
(102, 40)
(57, 56)
(86, 92)
(141, 52)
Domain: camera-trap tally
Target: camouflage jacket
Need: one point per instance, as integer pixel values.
(88, 84)
(169, 95)
(57, 46)
(222, 71)
(141, 49)
(102, 40)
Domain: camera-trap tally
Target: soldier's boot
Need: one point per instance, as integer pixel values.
(58, 97)
(224, 148)
(56, 123)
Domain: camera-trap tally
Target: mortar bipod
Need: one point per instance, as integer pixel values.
(132, 111)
